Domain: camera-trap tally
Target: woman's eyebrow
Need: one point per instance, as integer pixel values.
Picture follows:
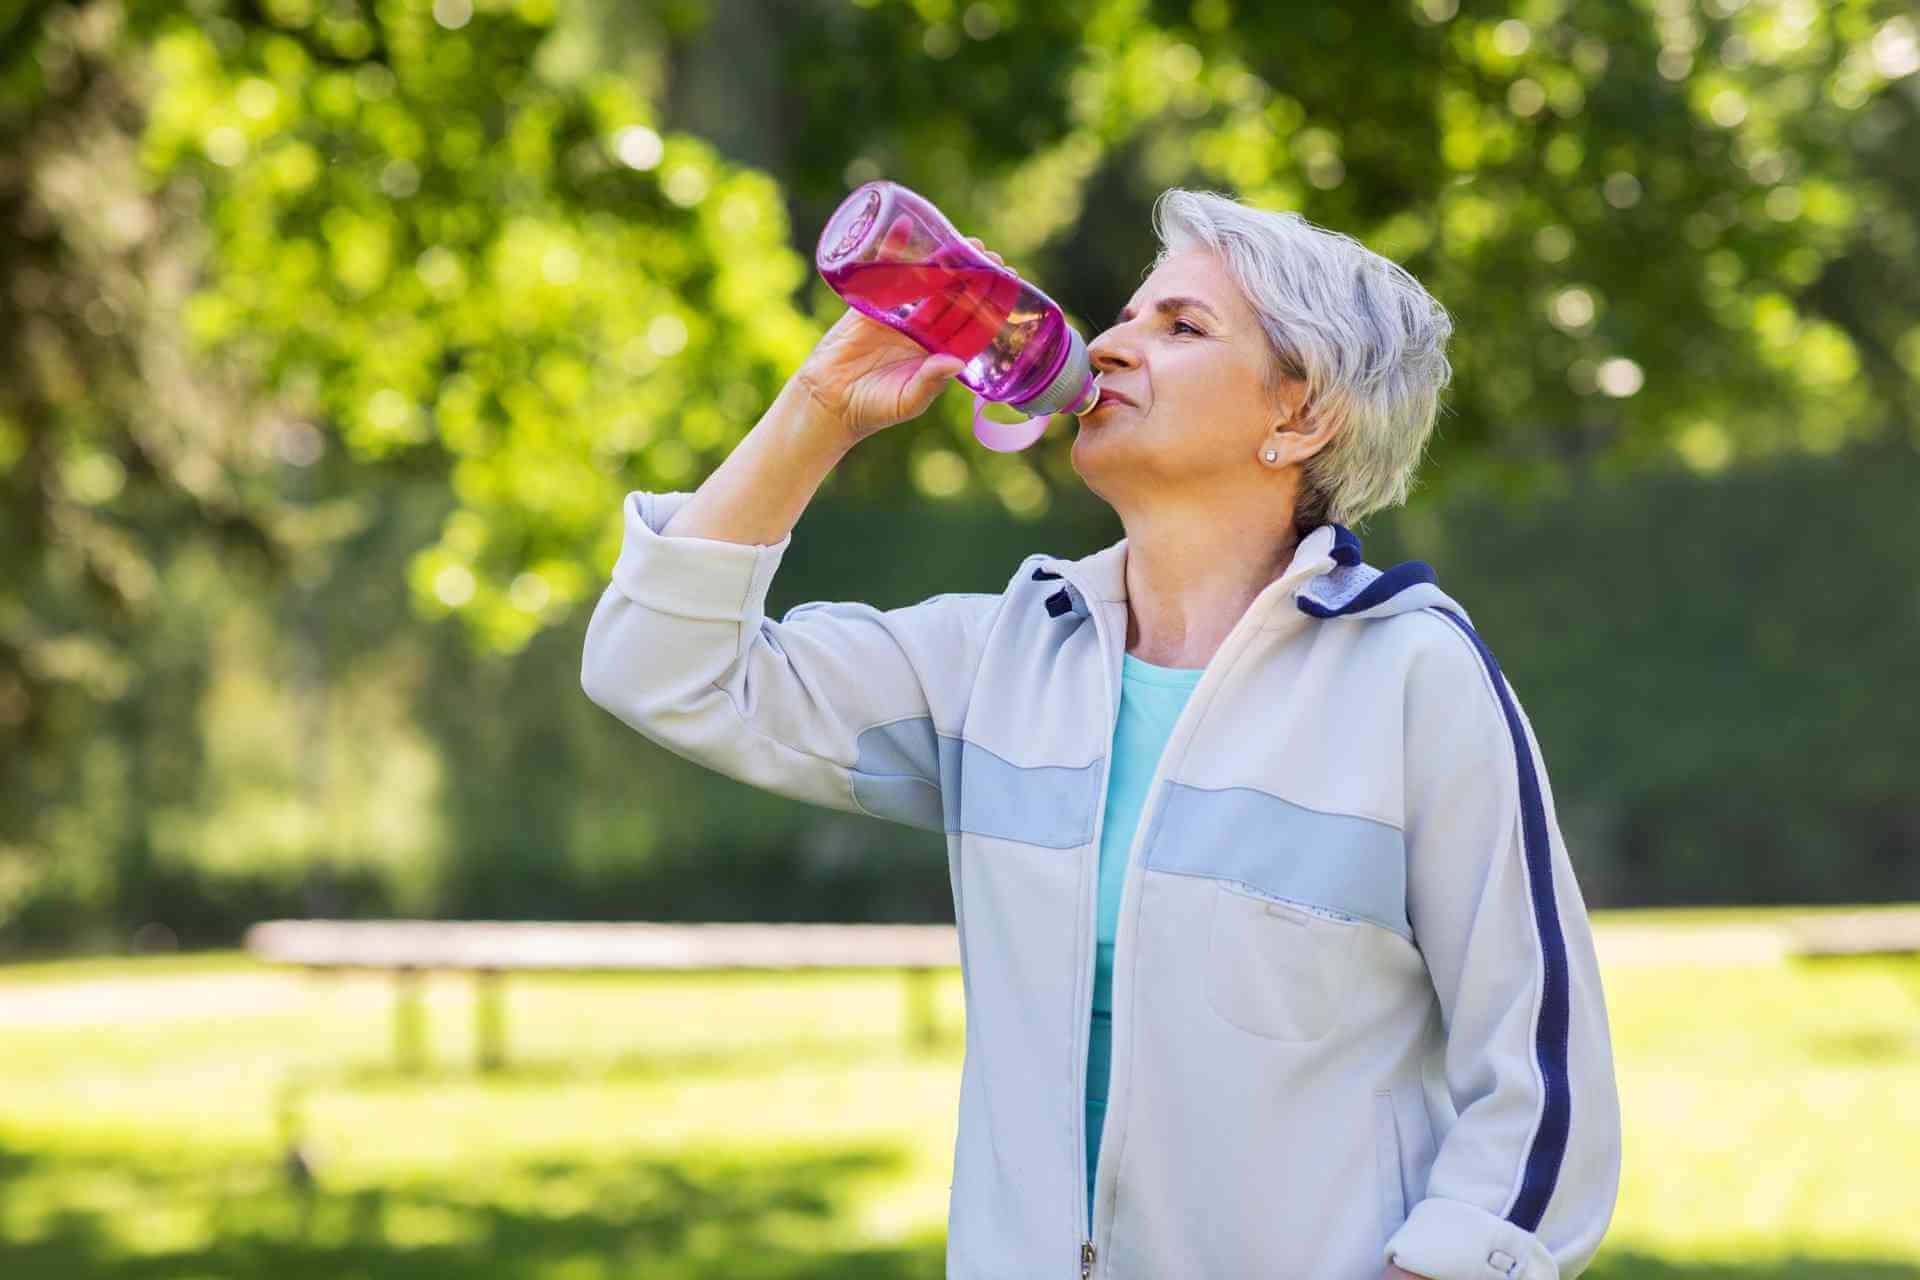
(1171, 304)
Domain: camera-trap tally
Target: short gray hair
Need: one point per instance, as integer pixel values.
(1366, 338)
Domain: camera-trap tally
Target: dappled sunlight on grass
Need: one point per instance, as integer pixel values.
(96, 1213)
(752, 1125)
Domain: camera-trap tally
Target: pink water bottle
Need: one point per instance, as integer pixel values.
(896, 259)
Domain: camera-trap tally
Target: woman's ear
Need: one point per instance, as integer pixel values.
(1306, 433)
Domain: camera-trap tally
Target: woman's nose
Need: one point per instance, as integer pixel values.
(1106, 354)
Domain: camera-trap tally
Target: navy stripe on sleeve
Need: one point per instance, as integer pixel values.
(1549, 1147)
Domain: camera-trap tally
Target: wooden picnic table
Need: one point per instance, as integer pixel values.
(489, 950)
(1880, 932)
(1885, 932)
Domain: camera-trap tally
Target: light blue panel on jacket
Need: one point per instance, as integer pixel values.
(1353, 865)
(893, 777)
(895, 774)
(1340, 862)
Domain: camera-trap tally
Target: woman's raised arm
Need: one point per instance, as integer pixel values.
(839, 703)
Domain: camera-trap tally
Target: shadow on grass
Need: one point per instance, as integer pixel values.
(1865, 1047)
(695, 1219)
(698, 1218)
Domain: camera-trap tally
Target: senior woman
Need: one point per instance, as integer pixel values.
(1274, 960)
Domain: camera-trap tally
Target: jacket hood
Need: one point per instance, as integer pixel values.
(1328, 578)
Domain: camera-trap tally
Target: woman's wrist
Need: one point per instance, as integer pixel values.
(759, 491)
(811, 422)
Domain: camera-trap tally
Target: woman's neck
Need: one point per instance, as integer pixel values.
(1186, 588)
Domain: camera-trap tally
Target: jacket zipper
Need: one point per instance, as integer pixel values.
(1087, 1251)
(1088, 1254)
(1144, 823)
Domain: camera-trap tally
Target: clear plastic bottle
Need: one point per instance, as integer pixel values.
(895, 258)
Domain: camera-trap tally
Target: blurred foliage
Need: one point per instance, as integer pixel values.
(382, 304)
(1713, 676)
(445, 236)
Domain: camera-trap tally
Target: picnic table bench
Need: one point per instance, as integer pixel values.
(1881, 932)
(1887, 932)
(489, 950)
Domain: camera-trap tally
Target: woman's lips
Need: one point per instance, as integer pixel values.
(1108, 398)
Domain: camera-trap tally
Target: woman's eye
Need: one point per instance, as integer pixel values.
(1182, 324)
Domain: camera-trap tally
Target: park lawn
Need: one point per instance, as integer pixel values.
(681, 1126)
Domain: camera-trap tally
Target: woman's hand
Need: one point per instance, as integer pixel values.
(1400, 1273)
(867, 376)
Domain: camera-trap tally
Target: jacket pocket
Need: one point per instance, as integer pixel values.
(1276, 969)
(1386, 1164)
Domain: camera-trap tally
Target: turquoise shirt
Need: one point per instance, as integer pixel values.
(1151, 699)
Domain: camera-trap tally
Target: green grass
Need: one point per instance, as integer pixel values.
(78, 968)
(683, 1126)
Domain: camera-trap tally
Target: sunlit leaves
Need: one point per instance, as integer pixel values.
(463, 260)
(483, 246)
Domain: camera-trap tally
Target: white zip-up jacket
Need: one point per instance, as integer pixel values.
(1357, 1015)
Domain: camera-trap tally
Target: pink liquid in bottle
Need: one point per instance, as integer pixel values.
(896, 259)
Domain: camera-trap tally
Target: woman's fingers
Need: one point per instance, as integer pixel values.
(897, 237)
(981, 245)
(925, 385)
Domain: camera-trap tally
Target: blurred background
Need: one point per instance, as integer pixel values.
(332, 333)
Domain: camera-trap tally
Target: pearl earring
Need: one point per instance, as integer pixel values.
(1271, 455)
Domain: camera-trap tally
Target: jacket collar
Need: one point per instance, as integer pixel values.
(1327, 578)
(1103, 574)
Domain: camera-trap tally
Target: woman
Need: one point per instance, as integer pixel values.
(1274, 960)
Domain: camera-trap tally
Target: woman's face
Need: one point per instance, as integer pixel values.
(1195, 373)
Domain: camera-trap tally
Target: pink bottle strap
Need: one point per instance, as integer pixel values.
(1005, 437)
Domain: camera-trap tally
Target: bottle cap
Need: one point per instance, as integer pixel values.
(1069, 385)
(1074, 389)
(1088, 399)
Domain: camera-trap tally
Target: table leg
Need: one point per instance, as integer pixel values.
(924, 1032)
(409, 1031)
(489, 1020)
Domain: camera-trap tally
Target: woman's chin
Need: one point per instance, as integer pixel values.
(1095, 429)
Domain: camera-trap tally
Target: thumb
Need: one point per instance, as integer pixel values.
(940, 368)
(932, 373)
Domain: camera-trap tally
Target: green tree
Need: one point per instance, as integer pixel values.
(272, 271)
(471, 231)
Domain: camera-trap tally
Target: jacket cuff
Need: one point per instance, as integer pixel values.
(1453, 1240)
(704, 579)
